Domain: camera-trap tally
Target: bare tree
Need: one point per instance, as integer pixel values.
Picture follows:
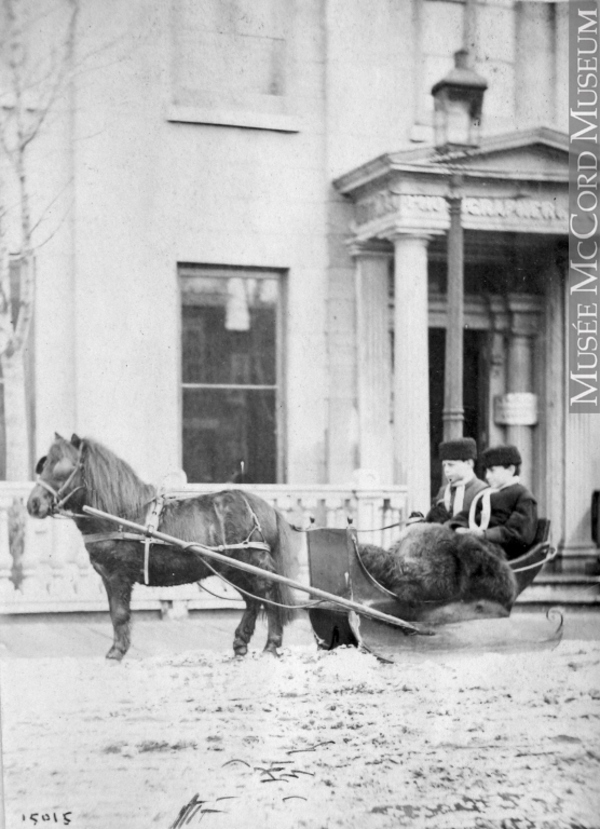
(36, 58)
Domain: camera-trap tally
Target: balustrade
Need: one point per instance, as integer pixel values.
(44, 566)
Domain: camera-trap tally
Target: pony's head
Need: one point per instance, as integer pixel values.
(83, 471)
(60, 478)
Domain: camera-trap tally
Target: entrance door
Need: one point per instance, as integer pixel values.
(475, 393)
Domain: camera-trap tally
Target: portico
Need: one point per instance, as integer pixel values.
(514, 191)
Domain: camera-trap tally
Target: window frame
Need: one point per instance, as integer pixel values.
(252, 110)
(188, 269)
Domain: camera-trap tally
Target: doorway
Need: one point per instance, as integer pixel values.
(475, 393)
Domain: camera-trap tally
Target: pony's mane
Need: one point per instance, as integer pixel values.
(111, 484)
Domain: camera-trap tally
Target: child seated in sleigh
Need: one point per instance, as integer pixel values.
(464, 559)
(458, 464)
(505, 514)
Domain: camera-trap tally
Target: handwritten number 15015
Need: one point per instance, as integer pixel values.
(64, 818)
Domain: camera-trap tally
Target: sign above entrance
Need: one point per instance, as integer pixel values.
(412, 206)
(516, 409)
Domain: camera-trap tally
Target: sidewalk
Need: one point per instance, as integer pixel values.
(90, 635)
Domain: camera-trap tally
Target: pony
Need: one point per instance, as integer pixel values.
(431, 564)
(83, 472)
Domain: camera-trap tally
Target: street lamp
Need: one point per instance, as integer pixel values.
(458, 101)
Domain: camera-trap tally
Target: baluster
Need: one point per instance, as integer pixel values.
(366, 518)
(60, 585)
(88, 584)
(7, 588)
(34, 584)
(308, 508)
(333, 508)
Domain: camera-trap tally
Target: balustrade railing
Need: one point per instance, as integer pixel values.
(45, 568)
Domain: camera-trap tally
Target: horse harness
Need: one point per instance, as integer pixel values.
(60, 497)
(152, 521)
(59, 502)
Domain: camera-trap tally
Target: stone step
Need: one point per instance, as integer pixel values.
(562, 588)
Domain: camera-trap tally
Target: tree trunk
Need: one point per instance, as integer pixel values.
(18, 465)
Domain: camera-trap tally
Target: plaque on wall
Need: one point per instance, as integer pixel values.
(516, 409)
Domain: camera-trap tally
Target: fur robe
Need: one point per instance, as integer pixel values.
(431, 563)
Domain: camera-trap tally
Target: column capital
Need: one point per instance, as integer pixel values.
(499, 312)
(371, 248)
(525, 310)
(406, 235)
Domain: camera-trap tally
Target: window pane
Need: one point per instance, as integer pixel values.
(229, 331)
(223, 427)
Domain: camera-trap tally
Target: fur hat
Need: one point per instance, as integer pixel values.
(501, 456)
(463, 449)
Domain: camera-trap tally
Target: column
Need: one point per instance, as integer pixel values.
(411, 369)
(497, 366)
(454, 415)
(374, 363)
(524, 327)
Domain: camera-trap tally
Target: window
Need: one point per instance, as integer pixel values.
(230, 62)
(231, 365)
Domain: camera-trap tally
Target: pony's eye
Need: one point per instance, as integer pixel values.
(40, 465)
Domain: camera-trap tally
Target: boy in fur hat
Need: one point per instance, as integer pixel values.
(506, 513)
(458, 460)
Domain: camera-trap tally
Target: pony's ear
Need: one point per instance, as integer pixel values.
(58, 437)
(40, 465)
(75, 440)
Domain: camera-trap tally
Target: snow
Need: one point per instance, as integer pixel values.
(312, 740)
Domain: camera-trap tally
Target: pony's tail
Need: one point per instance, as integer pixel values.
(285, 555)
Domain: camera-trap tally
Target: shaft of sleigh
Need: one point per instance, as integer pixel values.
(348, 604)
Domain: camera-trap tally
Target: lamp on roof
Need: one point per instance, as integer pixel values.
(458, 102)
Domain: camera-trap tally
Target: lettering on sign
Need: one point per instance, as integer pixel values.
(516, 409)
(522, 208)
(388, 202)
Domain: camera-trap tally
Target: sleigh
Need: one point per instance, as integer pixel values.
(336, 565)
(350, 607)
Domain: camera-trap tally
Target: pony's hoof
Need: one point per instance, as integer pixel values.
(240, 651)
(272, 650)
(115, 655)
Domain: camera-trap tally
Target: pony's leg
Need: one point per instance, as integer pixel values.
(274, 630)
(119, 601)
(265, 588)
(245, 629)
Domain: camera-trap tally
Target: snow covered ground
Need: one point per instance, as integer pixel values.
(312, 740)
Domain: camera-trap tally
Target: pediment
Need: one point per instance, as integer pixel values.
(535, 155)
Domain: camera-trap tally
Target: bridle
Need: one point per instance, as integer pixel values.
(59, 496)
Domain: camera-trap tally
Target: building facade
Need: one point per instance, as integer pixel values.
(250, 279)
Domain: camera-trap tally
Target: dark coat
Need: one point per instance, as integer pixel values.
(438, 514)
(513, 520)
